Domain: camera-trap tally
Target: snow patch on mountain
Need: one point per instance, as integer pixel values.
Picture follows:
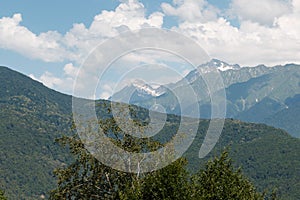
(155, 90)
(212, 66)
(220, 65)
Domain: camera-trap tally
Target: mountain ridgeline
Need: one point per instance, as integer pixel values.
(254, 94)
(32, 116)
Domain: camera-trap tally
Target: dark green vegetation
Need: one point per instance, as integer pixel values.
(2, 196)
(86, 178)
(33, 116)
(265, 154)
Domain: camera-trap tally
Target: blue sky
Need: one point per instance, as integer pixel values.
(48, 40)
(61, 15)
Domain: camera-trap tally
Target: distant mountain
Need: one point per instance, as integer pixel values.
(288, 117)
(32, 116)
(220, 65)
(254, 94)
(138, 91)
(263, 98)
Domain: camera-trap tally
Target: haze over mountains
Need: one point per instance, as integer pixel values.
(255, 94)
(32, 116)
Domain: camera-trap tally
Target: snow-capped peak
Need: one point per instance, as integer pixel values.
(154, 91)
(209, 67)
(220, 65)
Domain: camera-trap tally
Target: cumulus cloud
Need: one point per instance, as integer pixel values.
(74, 46)
(130, 15)
(263, 36)
(268, 33)
(252, 43)
(191, 10)
(70, 70)
(262, 11)
(45, 46)
(63, 83)
(77, 43)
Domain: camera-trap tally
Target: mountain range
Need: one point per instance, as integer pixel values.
(32, 116)
(258, 94)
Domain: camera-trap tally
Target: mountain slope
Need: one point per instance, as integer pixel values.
(32, 116)
(265, 99)
(260, 150)
(137, 91)
(287, 118)
(254, 94)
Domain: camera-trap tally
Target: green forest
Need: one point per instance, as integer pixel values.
(41, 156)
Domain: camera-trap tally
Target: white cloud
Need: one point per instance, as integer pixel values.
(251, 43)
(106, 91)
(130, 15)
(191, 10)
(296, 6)
(261, 11)
(77, 43)
(70, 70)
(63, 83)
(45, 46)
(74, 46)
(262, 37)
(50, 80)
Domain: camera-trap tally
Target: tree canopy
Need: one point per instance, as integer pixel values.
(87, 178)
(2, 197)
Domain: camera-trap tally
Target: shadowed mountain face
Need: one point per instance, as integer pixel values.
(287, 118)
(254, 94)
(32, 116)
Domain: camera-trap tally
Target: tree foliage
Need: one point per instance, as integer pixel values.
(87, 178)
(2, 197)
(219, 180)
(171, 182)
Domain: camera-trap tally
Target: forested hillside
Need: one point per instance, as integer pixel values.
(33, 116)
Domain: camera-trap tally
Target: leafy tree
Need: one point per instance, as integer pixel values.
(2, 197)
(171, 182)
(219, 180)
(87, 178)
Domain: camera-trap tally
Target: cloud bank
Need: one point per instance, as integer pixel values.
(268, 32)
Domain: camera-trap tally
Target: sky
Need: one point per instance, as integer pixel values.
(50, 41)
